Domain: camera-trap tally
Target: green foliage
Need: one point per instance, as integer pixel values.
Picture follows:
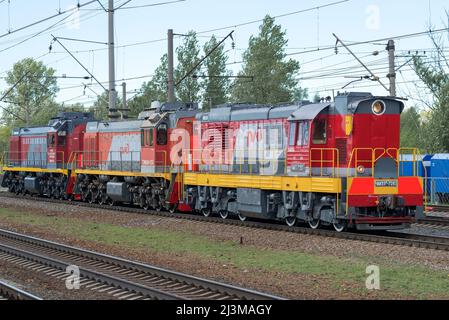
(188, 56)
(153, 90)
(216, 84)
(411, 129)
(435, 129)
(5, 133)
(274, 78)
(101, 106)
(32, 100)
(300, 94)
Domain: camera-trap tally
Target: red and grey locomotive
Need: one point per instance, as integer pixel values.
(331, 163)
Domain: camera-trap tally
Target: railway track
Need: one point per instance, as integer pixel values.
(396, 238)
(120, 278)
(438, 208)
(9, 292)
(435, 220)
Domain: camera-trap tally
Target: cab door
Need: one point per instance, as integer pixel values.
(148, 150)
(298, 151)
(52, 139)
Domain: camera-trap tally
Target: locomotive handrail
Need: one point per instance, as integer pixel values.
(41, 161)
(335, 156)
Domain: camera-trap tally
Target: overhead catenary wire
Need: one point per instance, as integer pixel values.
(80, 5)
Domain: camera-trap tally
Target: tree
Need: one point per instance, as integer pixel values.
(31, 102)
(188, 56)
(5, 133)
(153, 90)
(100, 108)
(436, 78)
(411, 129)
(216, 83)
(274, 78)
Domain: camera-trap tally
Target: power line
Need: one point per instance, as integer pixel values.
(275, 17)
(37, 34)
(150, 5)
(93, 77)
(48, 18)
(217, 29)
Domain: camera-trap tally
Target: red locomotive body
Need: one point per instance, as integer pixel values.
(332, 163)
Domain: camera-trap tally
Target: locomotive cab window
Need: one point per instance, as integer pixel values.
(319, 131)
(147, 138)
(303, 134)
(292, 137)
(51, 140)
(61, 138)
(162, 133)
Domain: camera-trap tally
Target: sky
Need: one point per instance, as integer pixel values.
(140, 39)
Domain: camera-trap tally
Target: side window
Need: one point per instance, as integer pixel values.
(319, 131)
(147, 137)
(161, 136)
(61, 140)
(293, 126)
(303, 134)
(51, 140)
(151, 137)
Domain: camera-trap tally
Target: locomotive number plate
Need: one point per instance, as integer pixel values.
(386, 183)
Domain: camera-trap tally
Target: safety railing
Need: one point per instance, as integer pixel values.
(327, 162)
(125, 161)
(367, 157)
(35, 160)
(233, 161)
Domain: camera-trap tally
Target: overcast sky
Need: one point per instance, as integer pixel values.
(352, 21)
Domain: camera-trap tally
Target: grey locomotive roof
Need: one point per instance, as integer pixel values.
(32, 131)
(309, 112)
(114, 126)
(242, 112)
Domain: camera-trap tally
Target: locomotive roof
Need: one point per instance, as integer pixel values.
(113, 126)
(55, 123)
(239, 112)
(309, 112)
(32, 131)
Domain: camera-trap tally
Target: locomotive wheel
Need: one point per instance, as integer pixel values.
(315, 223)
(207, 212)
(172, 208)
(85, 196)
(290, 221)
(242, 217)
(339, 226)
(146, 206)
(224, 214)
(92, 198)
(103, 200)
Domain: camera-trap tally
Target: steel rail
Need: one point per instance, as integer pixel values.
(435, 220)
(89, 274)
(386, 237)
(10, 292)
(203, 286)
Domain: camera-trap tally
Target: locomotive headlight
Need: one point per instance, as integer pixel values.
(360, 169)
(379, 107)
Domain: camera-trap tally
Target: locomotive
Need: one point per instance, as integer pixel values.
(324, 164)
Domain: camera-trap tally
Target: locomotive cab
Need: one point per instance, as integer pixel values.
(355, 140)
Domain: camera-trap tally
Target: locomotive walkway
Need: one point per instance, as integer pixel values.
(120, 278)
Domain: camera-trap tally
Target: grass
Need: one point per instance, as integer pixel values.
(405, 280)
